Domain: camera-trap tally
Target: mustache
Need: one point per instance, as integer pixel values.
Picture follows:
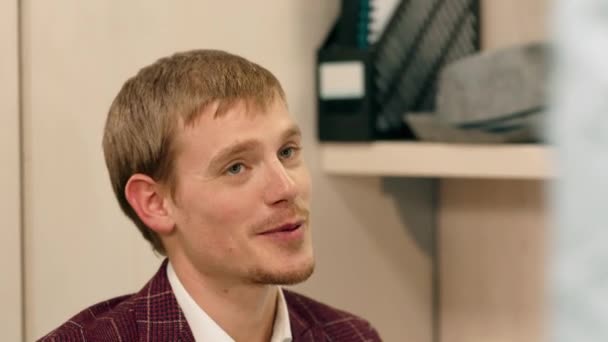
(293, 212)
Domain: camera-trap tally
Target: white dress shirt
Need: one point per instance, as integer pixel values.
(206, 329)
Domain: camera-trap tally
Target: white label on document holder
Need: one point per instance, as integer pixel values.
(342, 80)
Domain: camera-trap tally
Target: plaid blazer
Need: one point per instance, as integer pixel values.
(153, 314)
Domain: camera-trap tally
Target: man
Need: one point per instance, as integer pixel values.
(205, 159)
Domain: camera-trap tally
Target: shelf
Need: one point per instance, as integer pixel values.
(419, 159)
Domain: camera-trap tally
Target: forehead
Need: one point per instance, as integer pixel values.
(241, 121)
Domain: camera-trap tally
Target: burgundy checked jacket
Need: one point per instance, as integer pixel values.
(153, 314)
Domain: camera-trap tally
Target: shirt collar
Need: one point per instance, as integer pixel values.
(281, 331)
(204, 328)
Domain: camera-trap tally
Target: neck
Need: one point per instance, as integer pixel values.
(245, 311)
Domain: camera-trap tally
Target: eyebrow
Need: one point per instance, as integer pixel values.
(292, 132)
(224, 155)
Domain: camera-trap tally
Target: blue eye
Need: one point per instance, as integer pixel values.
(287, 153)
(235, 169)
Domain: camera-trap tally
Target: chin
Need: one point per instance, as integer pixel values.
(283, 275)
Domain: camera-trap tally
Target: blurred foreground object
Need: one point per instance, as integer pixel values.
(578, 127)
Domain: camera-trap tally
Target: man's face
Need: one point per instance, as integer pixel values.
(242, 196)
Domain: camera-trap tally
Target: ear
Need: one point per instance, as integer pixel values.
(149, 202)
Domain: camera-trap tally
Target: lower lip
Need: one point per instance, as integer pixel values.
(287, 235)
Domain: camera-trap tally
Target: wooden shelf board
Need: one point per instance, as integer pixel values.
(420, 159)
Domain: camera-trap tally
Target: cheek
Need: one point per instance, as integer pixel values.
(226, 208)
(209, 211)
(214, 227)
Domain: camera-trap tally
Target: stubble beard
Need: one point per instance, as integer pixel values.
(264, 276)
(292, 277)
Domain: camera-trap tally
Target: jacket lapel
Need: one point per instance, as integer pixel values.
(159, 317)
(302, 324)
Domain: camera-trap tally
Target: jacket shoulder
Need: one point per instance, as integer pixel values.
(110, 320)
(334, 323)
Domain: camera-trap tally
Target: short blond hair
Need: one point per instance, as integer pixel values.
(139, 134)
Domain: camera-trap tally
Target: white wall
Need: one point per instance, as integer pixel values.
(79, 247)
(10, 253)
(492, 233)
(508, 23)
(492, 260)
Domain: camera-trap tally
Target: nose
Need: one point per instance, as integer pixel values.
(280, 186)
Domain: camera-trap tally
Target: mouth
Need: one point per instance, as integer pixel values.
(284, 228)
(288, 233)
